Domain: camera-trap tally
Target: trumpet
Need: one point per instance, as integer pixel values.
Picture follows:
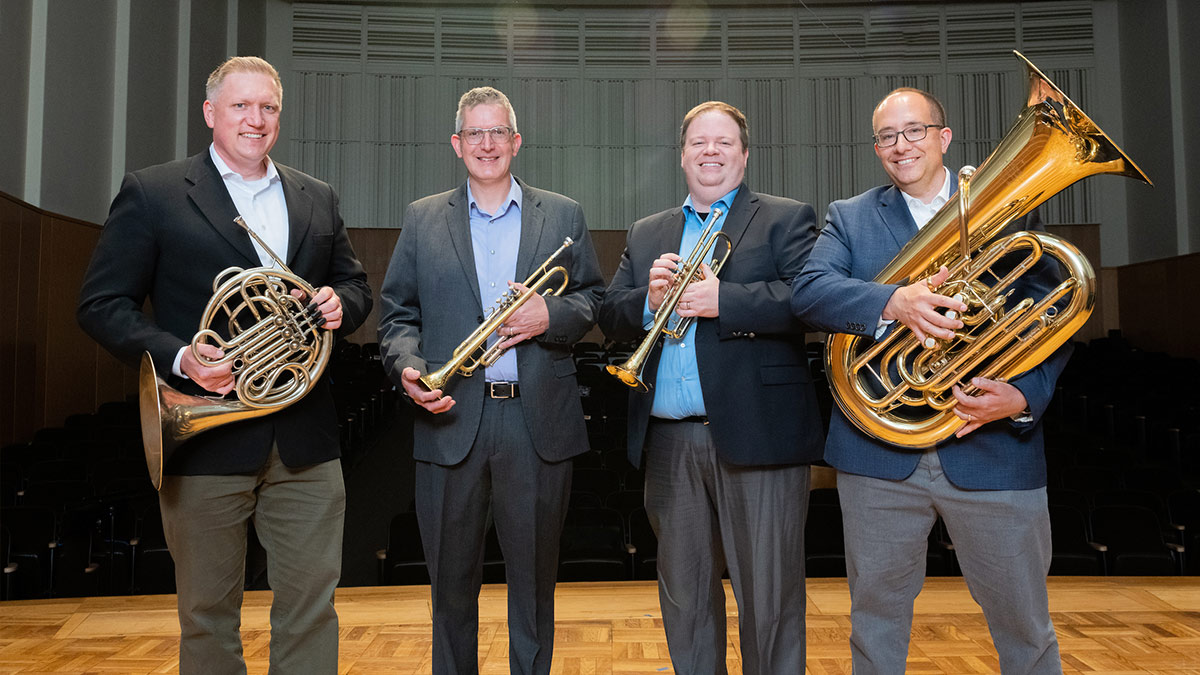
(630, 372)
(462, 361)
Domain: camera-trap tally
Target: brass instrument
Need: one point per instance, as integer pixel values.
(1051, 145)
(462, 361)
(277, 357)
(630, 372)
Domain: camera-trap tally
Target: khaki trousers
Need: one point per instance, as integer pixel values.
(298, 514)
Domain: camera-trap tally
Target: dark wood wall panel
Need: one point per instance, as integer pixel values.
(1160, 309)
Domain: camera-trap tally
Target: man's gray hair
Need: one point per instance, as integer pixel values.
(484, 96)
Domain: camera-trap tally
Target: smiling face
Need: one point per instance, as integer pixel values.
(245, 121)
(488, 162)
(713, 158)
(914, 166)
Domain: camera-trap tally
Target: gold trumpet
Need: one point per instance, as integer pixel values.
(462, 361)
(1051, 145)
(630, 372)
(277, 357)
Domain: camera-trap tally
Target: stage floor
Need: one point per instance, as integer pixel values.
(1105, 625)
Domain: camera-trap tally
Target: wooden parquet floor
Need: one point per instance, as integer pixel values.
(1105, 625)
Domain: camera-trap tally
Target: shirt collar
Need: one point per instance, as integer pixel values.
(515, 196)
(724, 201)
(939, 199)
(228, 173)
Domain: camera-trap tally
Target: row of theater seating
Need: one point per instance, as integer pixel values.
(79, 516)
(1124, 474)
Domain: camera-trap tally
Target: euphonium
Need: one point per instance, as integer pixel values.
(1051, 145)
(276, 345)
(463, 361)
(630, 372)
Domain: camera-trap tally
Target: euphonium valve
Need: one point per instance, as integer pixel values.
(898, 390)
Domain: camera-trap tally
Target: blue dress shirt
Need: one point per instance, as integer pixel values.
(677, 391)
(495, 238)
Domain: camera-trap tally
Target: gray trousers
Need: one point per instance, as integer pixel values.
(298, 514)
(709, 515)
(1001, 538)
(527, 498)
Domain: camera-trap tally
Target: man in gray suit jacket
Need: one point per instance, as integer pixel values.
(988, 482)
(169, 233)
(498, 442)
(730, 423)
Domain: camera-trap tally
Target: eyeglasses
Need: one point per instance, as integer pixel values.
(474, 135)
(886, 139)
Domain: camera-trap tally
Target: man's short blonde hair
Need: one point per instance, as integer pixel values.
(241, 64)
(484, 96)
(716, 106)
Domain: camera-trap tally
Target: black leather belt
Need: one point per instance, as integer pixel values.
(503, 390)
(694, 419)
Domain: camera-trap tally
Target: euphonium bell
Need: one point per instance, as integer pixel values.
(1051, 145)
(276, 345)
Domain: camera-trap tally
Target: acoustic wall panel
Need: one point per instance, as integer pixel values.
(600, 92)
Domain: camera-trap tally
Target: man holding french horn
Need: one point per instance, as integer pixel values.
(986, 476)
(170, 232)
(725, 414)
(497, 444)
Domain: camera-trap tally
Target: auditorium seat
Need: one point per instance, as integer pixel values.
(402, 563)
(1135, 543)
(1074, 553)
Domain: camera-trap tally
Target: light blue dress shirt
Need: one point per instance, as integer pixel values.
(677, 391)
(495, 239)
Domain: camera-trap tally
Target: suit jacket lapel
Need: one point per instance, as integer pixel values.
(895, 215)
(299, 208)
(533, 218)
(210, 196)
(744, 206)
(458, 224)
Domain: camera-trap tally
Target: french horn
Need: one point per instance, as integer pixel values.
(276, 345)
(898, 390)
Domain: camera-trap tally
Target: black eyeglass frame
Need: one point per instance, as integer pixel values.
(904, 132)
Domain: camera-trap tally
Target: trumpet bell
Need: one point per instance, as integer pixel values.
(628, 375)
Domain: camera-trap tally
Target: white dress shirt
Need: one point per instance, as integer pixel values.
(261, 204)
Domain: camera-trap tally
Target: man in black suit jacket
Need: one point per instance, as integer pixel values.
(169, 233)
(730, 423)
(500, 441)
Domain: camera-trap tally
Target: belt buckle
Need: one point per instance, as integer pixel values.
(500, 390)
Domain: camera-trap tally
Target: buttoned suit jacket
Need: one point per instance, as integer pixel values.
(754, 376)
(835, 292)
(170, 231)
(430, 303)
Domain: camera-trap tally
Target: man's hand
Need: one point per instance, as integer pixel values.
(328, 304)
(662, 271)
(701, 298)
(217, 379)
(915, 306)
(529, 321)
(433, 401)
(996, 401)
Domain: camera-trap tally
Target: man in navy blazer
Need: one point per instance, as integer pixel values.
(730, 423)
(988, 482)
(499, 443)
(169, 233)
